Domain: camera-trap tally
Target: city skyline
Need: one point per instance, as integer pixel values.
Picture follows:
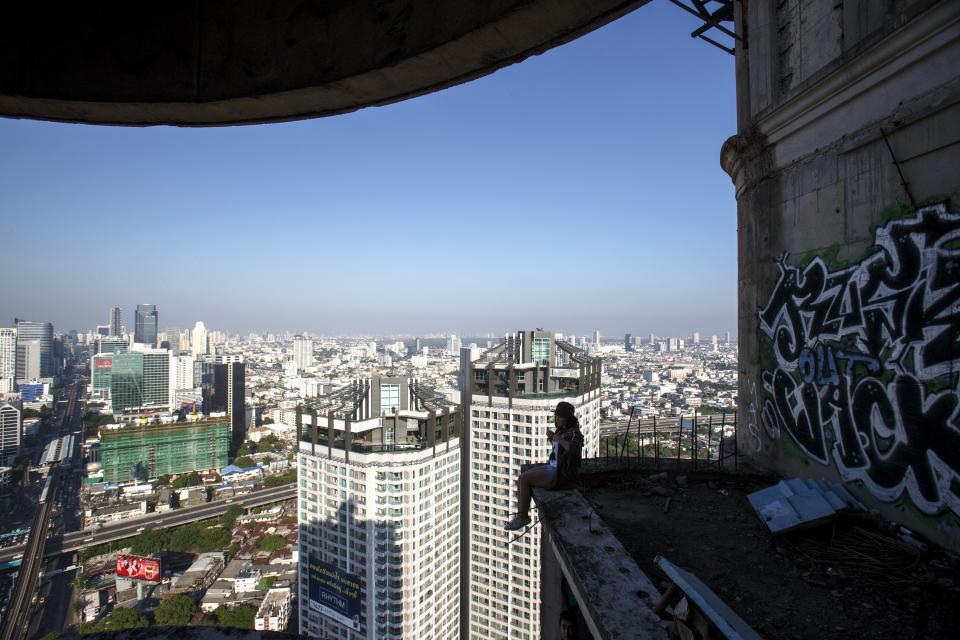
(571, 148)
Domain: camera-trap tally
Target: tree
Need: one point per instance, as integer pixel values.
(286, 477)
(175, 612)
(191, 479)
(52, 635)
(271, 542)
(77, 607)
(244, 462)
(123, 618)
(229, 517)
(266, 583)
(241, 616)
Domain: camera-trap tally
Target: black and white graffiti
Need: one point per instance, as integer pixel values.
(867, 361)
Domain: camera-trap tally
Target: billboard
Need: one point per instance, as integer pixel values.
(103, 363)
(138, 567)
(334, 593)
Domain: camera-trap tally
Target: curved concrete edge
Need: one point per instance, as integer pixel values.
(528, 31)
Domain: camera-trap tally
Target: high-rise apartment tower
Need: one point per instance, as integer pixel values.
(508, 397)
(379, 513)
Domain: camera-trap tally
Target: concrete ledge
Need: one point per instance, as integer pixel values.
(615, 597)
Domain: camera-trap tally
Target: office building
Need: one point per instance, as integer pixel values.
(222, 389)
(8, 356)
(453, 344)
(628, 342)
(379, 512)
(696, 337)
(101, 375)
(116, 326)
(509, 395)
(172, 338)
(11, 422)
(145, 331)
(596, 338)
(42, 332)
(728, 337)
(112, 344)
(199, 343)
(302, 352)
(653, 339)
(28, 360)
(142, 451)
(139, 381)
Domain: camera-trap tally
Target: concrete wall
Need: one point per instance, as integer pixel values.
(849, 306)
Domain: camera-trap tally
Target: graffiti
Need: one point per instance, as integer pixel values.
(866, 359)
(752, 428)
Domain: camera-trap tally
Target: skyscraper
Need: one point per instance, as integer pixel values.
(453, 344)
(10, 426)
(29, 366)
(596, 338)
(696, 337)
(223, 390)
(145, 331)
(302, 352)
(8, 357)
(116, 327)
(198, 340)
(628, 342)
(379, 513)
(508, 397)
(728, 337)
(42, 332)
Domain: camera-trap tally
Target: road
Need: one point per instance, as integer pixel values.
(75, 541)
(16, 619)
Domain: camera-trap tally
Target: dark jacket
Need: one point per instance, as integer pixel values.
(568, 463)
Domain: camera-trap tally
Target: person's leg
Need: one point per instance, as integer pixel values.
(539, 477)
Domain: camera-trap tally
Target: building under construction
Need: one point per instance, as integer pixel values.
(139, 452)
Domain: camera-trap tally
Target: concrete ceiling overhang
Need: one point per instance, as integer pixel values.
(213, 62)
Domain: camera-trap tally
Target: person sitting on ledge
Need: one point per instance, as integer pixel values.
(563, 469)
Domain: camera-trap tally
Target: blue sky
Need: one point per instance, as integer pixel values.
(578, 190)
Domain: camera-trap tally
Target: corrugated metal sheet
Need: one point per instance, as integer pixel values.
(800, 502)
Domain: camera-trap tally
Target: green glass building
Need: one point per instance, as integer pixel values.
(152, 450)
(138, 379)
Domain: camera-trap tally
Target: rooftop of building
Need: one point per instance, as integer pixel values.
(154, 426)
(849, 574)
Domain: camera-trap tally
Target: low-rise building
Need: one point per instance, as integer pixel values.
(117, 512)
(275, 610)
(201, 574)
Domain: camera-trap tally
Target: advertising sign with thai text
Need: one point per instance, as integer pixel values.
(334, 593)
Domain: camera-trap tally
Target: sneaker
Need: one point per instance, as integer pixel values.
(518, 522)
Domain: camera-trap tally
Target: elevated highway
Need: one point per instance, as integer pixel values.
(78, 540)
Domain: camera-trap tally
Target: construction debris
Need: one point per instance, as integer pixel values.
(795, 503)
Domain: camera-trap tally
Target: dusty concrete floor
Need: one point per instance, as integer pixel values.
(842, 580)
